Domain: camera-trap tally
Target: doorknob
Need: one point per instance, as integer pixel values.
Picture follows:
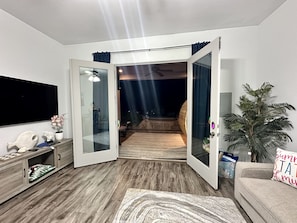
(212, 134)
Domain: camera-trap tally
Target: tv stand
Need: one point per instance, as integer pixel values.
(14, 172)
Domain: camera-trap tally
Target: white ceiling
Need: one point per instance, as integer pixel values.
(84, 21)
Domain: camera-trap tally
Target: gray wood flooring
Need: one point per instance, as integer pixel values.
(94, 193)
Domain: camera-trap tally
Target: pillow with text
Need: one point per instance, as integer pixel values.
(285, 167)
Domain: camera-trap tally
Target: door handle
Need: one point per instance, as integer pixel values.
(212, 134)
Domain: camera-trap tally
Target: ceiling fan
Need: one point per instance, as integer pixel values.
(93, 75)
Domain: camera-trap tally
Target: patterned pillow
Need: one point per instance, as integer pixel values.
(285, 167)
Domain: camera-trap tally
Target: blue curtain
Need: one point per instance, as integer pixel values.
(102, 57)
(198, 46)
(201, 96)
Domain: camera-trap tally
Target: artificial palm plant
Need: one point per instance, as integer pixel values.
(261, 125)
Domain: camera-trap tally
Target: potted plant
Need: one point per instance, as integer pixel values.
(261, 125)
(57, 122)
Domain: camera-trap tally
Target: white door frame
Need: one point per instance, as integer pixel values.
(81, 158)
(208, 172)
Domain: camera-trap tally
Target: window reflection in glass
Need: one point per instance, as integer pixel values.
(94, 109)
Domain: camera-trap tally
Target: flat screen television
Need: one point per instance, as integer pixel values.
(25, 101)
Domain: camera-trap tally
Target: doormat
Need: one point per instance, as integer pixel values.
(145, 206)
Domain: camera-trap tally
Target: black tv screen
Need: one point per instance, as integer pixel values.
(26, 101)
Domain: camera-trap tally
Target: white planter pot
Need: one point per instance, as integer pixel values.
(59, 136)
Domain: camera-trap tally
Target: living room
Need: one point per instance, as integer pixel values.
(250, 54)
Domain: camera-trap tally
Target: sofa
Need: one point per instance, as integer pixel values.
(264, 199)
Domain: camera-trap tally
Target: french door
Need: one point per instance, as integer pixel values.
(94, 112)
(203, 112)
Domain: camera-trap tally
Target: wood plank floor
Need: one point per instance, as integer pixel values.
(94, 193)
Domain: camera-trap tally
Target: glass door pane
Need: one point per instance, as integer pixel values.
(201, 108)
(203, 112)
(94, 112)
(94, 109)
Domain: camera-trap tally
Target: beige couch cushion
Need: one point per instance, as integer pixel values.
(274, 201)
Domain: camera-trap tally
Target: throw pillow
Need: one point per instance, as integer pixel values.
(285, 167)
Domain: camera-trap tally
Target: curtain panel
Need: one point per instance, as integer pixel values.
(201, 96)
(101, 57)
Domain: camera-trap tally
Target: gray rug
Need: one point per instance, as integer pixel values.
(144, 206)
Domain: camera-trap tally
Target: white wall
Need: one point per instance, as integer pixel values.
(278, 56)
(28, 54)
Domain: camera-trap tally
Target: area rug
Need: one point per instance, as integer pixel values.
(154, 146)
(144, 206)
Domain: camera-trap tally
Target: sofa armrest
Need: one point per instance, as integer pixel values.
(254, 170)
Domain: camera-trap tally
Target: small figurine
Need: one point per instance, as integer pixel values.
(48, 136)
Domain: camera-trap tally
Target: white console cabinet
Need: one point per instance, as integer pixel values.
(14, 171)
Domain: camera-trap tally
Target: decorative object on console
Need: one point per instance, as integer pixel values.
(59, 136)
(57, 122)
(9, 156)
(25, 141)
(261, 126)
(48, 136)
